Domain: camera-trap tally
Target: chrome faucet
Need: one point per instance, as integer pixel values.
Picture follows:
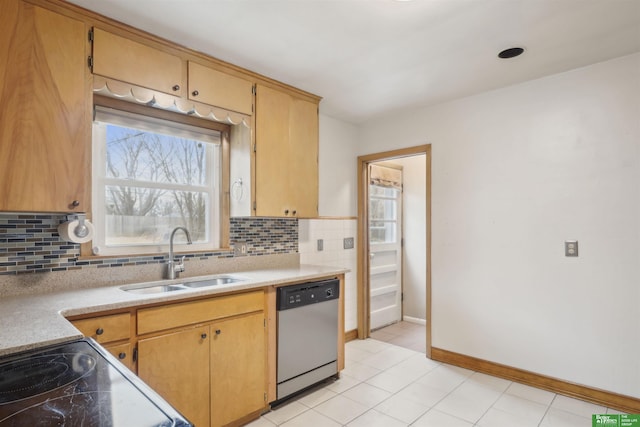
(174, 267)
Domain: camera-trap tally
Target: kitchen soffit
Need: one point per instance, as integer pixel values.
(370, 58)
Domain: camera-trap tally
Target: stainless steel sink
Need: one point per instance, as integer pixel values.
(154, 289)
(194, 284)
(212, 282)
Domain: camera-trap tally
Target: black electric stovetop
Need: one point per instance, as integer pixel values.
(77, 384)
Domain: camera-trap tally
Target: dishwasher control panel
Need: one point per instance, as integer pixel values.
(307, 293)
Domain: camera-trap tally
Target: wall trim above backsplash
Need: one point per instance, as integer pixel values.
(30, 243)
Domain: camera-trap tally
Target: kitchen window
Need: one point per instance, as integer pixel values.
(153, 172)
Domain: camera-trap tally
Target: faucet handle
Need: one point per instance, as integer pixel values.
(179, 267)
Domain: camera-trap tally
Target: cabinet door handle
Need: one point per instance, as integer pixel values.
(122, 356)
(75, 203)
(218, 331)
(176, 88)
(99, 331)
(286, 211)
(203, 336)
(195, 93)
(294, 212)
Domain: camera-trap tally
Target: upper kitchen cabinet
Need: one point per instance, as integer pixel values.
(286, 159)
(126, 60)
(44, 104)
(223, 90)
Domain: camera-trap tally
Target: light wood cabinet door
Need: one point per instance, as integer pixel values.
(44, 111)
(272, 146)
(223, 90)
(238, 368)
(132, 62)
(303, 149)
(123, 353)
(176, 366)
(286, 155)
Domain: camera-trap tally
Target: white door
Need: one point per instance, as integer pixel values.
(385, 247)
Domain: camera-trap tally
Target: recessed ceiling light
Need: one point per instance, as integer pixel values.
(512, 52)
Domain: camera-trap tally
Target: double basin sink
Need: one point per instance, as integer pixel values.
(194, 284)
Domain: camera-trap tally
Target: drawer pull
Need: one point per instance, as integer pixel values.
(218, 331)
(176, 88)
(99, 331)
(203, 336)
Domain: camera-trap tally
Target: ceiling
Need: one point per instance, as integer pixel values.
(368, 58)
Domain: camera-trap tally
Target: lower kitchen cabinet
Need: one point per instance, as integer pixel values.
(113, 332)
(176, 366)
(213, 372)
(238, 373)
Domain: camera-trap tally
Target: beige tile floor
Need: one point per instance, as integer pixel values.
(403, 334)
(387, 385)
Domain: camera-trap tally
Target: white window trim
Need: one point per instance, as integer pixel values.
(100, 181)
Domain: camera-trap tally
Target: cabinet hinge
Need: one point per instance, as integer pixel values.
(254, 147)
(91, 35)
(402, 296)
(265, 396)
(254, 205)
(134, 357)
(264, 321)
(90, 62)
(253, 89)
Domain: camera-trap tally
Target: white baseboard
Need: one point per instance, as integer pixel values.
(415, 320)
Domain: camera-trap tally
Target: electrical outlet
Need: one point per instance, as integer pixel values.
(347, 243)
(240, 249)
(320, 245)
(571, 248)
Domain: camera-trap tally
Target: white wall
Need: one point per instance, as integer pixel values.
(337, 168)
(332, 232)
(240, 171)
(414, 271)
(337, 199)
(515, 172)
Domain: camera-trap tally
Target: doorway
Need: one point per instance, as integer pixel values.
(385, 244)
(371, 220)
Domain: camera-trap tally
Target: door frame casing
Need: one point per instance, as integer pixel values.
(363, 235)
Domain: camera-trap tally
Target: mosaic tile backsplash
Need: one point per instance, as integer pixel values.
(31, 244)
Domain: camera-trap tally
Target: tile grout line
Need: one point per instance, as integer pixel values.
(547, 410)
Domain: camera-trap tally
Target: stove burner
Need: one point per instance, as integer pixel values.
(21, 379)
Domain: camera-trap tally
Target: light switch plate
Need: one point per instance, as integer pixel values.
(571, 248)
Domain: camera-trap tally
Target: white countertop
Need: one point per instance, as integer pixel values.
(30, 321)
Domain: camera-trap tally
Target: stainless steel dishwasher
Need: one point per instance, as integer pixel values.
(307, 335)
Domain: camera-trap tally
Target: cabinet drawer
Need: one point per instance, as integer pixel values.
(188, 313)
(105, 328)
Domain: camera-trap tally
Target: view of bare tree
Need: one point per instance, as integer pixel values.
(147, 157)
